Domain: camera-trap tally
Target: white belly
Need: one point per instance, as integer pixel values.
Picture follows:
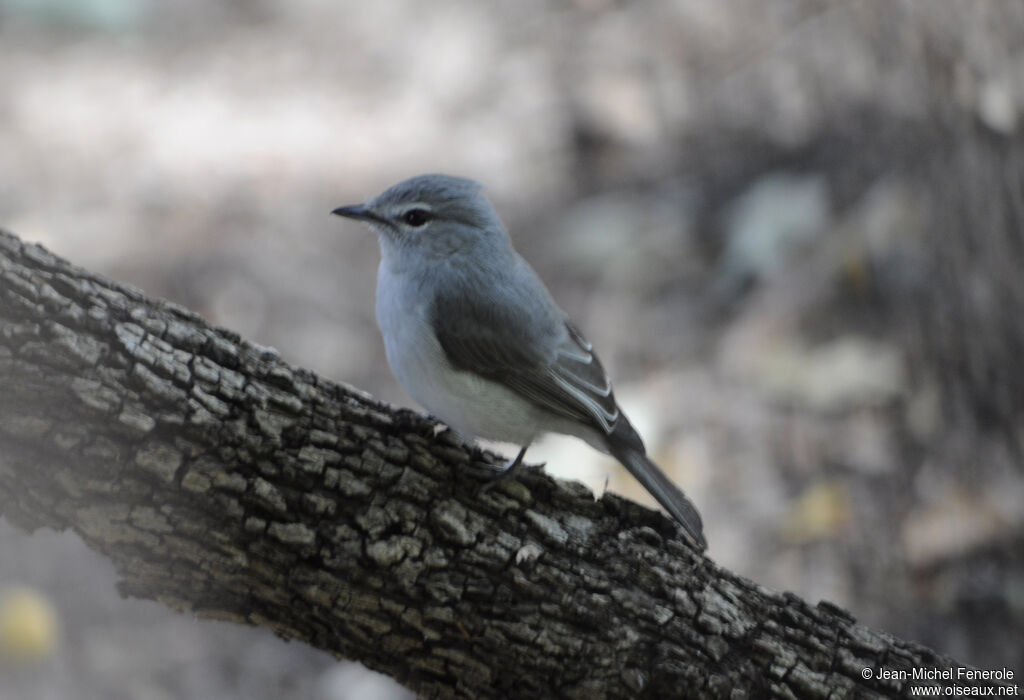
(470, 405)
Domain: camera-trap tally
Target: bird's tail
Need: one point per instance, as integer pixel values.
(661, 487)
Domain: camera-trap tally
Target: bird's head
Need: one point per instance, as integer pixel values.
(437, 214)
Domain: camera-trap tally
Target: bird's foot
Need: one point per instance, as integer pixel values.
(504, 474)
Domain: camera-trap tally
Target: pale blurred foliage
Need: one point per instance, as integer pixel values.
(687, 176)
(28, 626)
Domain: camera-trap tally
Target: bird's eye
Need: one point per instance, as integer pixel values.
(416, 217)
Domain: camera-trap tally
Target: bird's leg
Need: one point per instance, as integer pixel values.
(507, 472)
(511, 467)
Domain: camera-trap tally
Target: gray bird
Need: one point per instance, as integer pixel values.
(474, 336)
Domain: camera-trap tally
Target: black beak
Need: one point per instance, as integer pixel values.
(358, 212)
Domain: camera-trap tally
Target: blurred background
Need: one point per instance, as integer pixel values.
(794, 228)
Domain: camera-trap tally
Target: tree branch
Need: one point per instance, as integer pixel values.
(222, 481)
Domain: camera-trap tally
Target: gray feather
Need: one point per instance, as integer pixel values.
(664, 491)
(540, 355)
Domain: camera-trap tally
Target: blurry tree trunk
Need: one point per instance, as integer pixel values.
(224, 482)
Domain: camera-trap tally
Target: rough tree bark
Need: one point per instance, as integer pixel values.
(222, 481)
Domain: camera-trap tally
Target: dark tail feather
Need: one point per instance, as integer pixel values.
(662, 488)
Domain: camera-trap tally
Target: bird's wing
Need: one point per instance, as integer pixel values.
(539, 354)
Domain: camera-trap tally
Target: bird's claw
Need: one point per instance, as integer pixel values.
(511, 468)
